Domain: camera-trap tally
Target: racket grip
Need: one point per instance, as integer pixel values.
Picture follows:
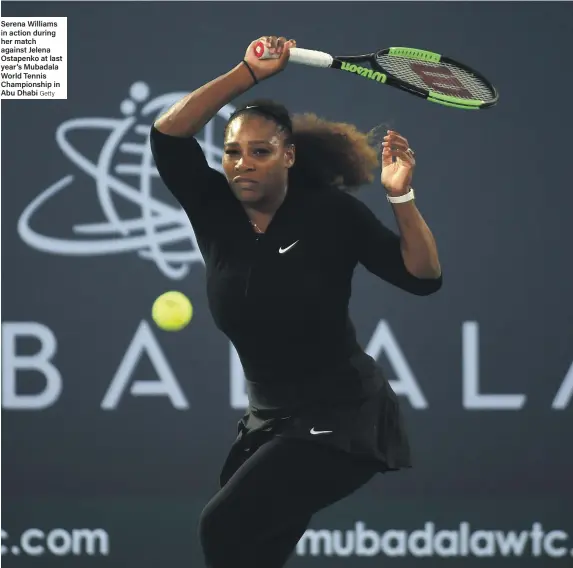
(297, 55)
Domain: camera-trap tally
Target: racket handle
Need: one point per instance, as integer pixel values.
(297, 55)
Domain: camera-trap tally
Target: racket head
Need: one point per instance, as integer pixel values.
(437, 78)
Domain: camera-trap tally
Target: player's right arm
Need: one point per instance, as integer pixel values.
(189, 115)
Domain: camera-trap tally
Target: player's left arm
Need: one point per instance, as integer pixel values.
(418, 245)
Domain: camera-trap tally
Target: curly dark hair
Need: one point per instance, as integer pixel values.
(328, 154)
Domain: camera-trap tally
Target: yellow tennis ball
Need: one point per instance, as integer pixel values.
(172, 311)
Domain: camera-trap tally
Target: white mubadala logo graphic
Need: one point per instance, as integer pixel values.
(156, 230)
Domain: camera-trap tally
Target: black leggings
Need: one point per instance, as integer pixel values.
(262, 511)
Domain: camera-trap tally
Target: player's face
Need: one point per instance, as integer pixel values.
(256, 160)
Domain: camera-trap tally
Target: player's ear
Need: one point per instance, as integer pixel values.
(290, 155)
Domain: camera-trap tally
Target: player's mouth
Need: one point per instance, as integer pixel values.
(245, 182)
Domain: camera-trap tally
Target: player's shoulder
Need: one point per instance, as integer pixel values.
(330, 196)
(347, 198)
(347, 202)
(338, 210)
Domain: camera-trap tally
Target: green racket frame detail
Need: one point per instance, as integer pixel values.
(447, 100)
(412, 53)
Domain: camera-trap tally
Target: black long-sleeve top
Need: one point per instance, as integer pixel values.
(282, 298)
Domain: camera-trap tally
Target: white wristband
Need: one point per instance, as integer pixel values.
(401, 198)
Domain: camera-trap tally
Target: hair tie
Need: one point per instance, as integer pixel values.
(250, 71)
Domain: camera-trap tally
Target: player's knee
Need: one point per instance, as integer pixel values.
(218, 533)
(210, 524)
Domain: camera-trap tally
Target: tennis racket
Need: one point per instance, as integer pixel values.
(428, 75)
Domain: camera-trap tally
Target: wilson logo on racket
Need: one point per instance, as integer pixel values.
(440, 78)
(364, 72)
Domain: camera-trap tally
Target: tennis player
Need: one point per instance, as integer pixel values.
(281, 235)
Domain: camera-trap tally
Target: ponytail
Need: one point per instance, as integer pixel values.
(331, 154)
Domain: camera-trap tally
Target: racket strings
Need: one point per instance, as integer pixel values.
(443, 78)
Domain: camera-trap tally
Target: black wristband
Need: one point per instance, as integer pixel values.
(250, 71)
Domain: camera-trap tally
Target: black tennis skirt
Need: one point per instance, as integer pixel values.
(367, 425)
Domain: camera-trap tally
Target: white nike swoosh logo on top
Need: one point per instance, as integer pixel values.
(283, 250)
(313, 431)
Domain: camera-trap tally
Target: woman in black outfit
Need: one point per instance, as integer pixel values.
(281, 236)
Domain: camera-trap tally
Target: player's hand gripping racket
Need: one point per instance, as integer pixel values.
(428, 75)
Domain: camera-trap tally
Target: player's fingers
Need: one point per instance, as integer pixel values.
(386, 156)
(273, 47)
(393, 135)
(404, 156)
(286, 50)
(392, 142)
(271, 42)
